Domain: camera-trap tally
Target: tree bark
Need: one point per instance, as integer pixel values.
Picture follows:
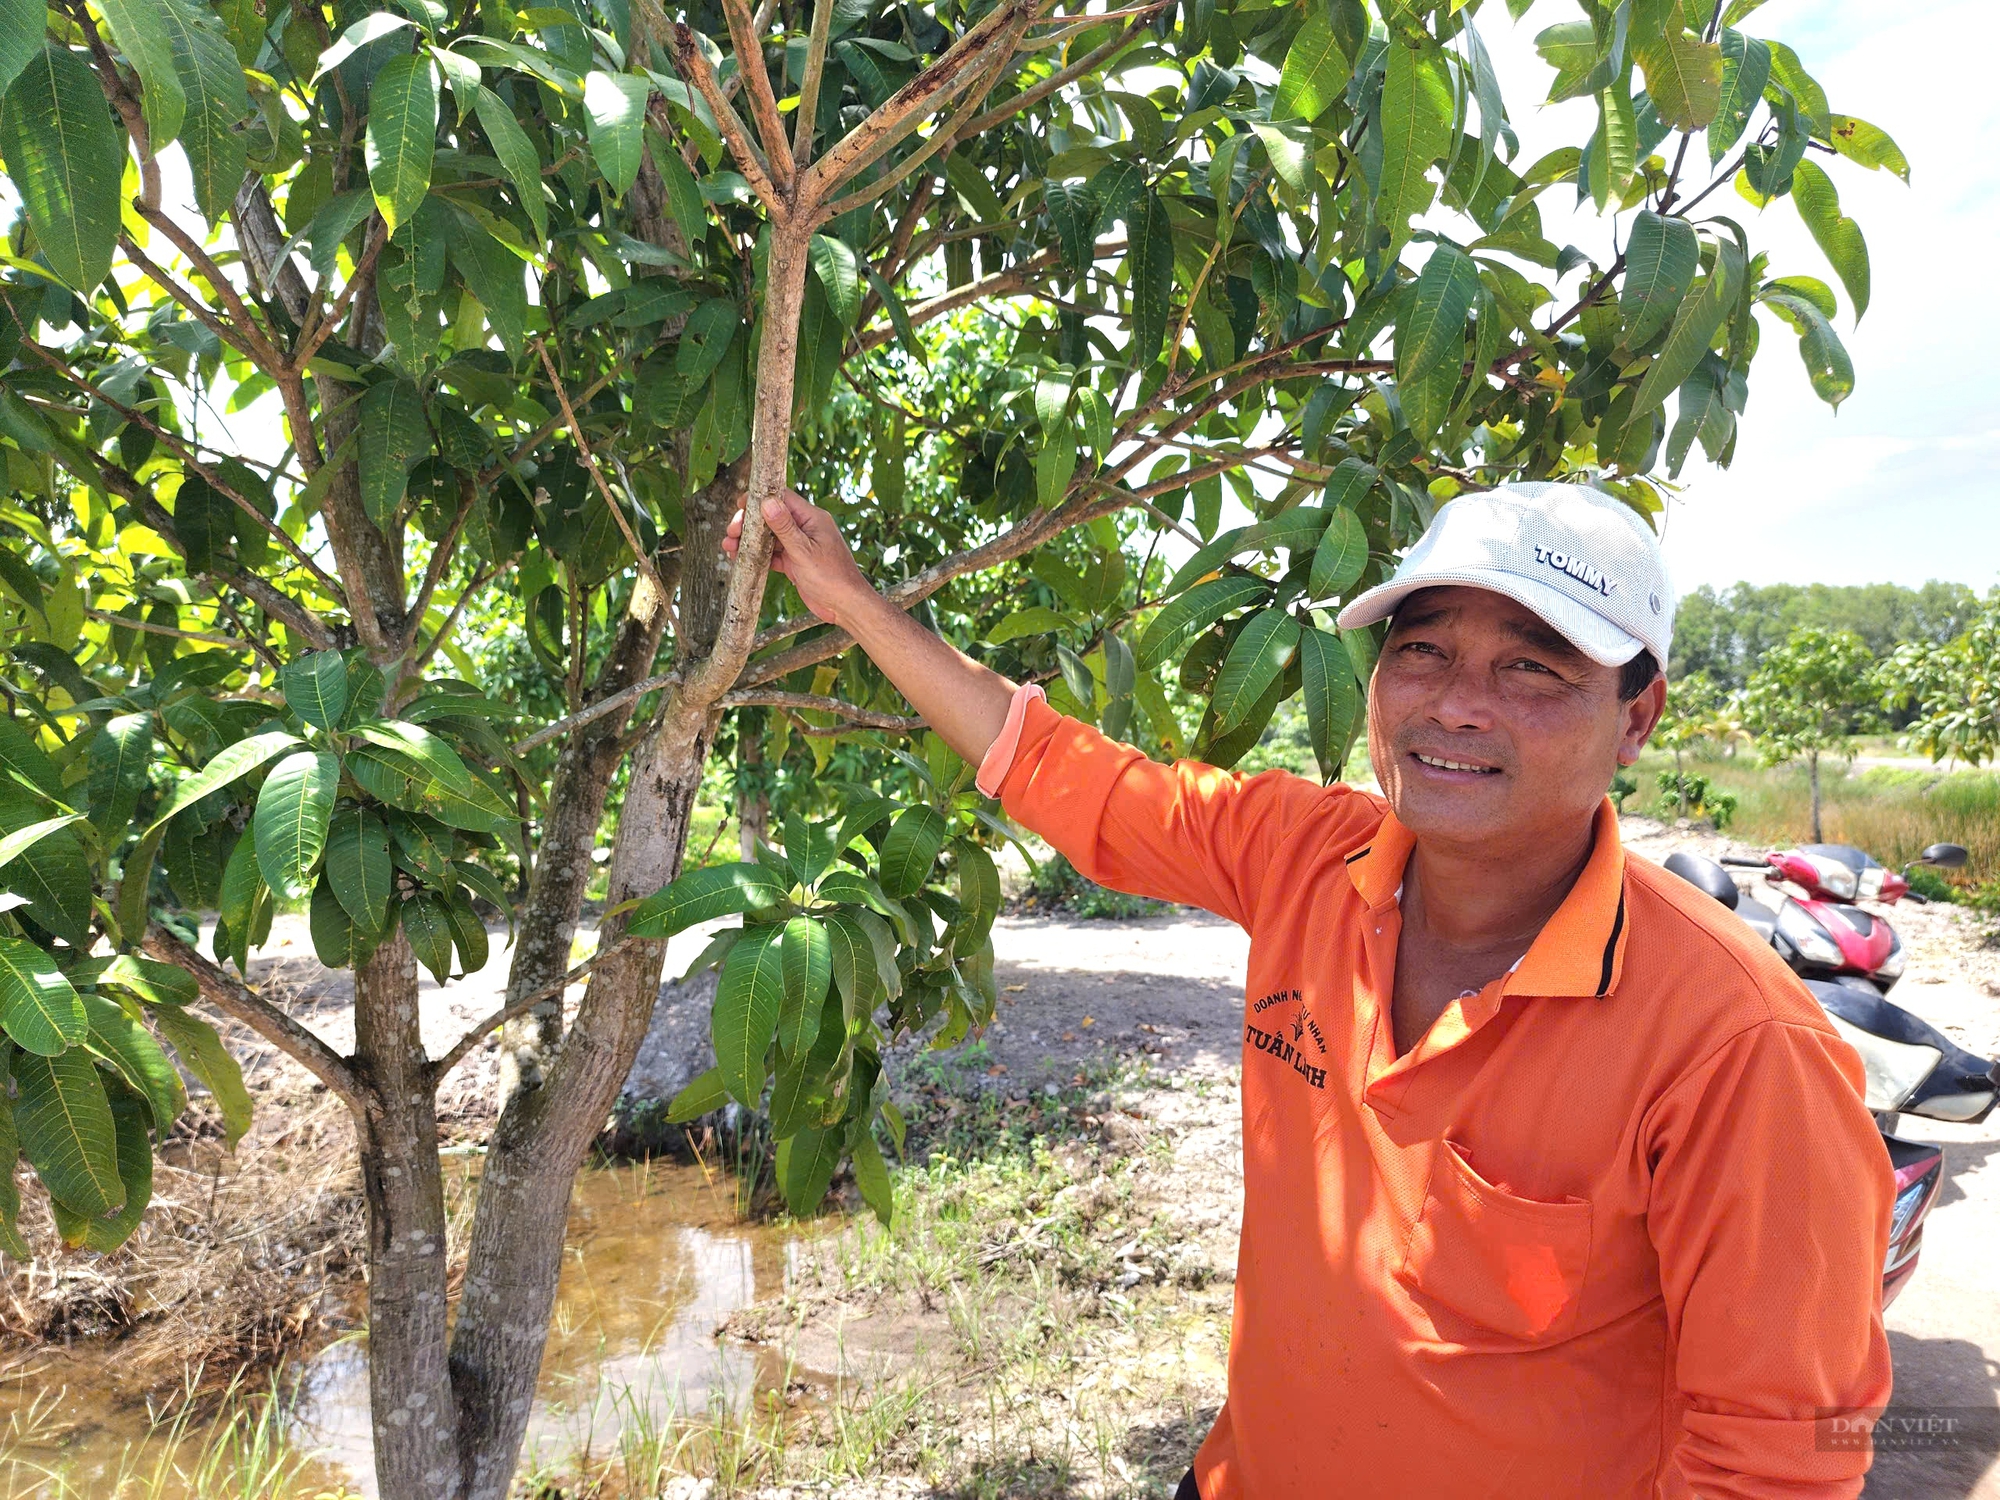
(577, 792)
(409, 1383)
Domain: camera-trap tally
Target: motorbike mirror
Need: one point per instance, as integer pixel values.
(1944, 856)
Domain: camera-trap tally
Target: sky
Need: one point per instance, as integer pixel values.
(1902, 484)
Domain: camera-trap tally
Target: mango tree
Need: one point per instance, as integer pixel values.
(520, 305)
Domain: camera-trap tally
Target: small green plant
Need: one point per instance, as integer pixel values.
(1623, 785)
(1057, 884)
(1932, 886)
(1696, 794)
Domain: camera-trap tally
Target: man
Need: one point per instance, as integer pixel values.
(1557, 1184)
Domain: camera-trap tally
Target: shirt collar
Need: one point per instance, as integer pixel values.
(1581, 949)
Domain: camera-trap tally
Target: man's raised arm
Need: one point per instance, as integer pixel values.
(1187, 832)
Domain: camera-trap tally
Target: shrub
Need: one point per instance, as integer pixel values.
(1057, 884)
(1701, 797)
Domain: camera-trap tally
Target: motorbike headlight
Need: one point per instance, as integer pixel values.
(1892, 966)
(1894, 1069)
(1836, 879)
(1812, 941)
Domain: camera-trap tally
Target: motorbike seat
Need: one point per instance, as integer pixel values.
(1705, 875)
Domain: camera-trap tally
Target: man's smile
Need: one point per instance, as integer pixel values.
(1441, 763)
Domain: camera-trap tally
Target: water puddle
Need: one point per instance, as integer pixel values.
(656, 1260)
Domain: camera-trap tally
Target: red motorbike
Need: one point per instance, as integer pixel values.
(1824, 934)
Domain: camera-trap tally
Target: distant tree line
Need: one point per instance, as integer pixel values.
(1726, 633)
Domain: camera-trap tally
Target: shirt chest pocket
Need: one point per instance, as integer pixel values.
(1510, 1267)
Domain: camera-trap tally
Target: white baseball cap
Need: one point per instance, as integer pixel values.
(1577, 557)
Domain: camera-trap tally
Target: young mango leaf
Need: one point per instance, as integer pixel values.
(1341, 556)
(1870, 145)
(1193, 612)
(745, 1018)
(1315, 73)
(1332, 698)
(1149, 261)
(401, 139)
(218, 100)
(806, 968)
(39, 1008)
(1431, 332)
(293, 811)
(516, 153)
(64, 1120)
(871, 1173)
(1417, 108)
(1746, 65)
(119, 756)
(1820, 349)
(148, 980)
(315, 687)
(201, 1052)
(427, 923)
(242, 885)
(1256, 661)
(910, 849)
(855, 976)
(21, 840)
(1838, 237)
(1683, 76)
(1701, 312)
(394, 435)
(978, 889)
(134, 1149)
(468, 934)
(1660, 260)
(66, 159)
(140, 31)
(227, 766)
(806, 1164)
(614, 115)
(337, 942)
(703, 1095)
(129, 1048)
(802, 1077)
(702, 895)
(358, 868)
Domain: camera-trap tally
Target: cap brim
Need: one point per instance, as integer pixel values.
(1585, 629)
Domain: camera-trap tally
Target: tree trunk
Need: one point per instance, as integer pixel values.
(409, 1382)
(753, 805)
(1680, 783)
(1812, 770)
(577, 791)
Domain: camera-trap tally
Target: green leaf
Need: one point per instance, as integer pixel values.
(1193, 612)
(910, 849)
(704, 1095)
(1417, 110)
(427, 924)
(1149, 261)
(1288, 155)
(149, 980)
(1614, 149)
(64, 1119)
(394, 435)
(290, 824)
(1820, 349)
(1256, 659)
(468, 934)
(1315, 73)
(1867, 144)
(806, 1164)
(135, 1173)
(1683, 76)
(834, 264)
(1788, 73)
(119, 756)
(402, 135)
(23, 26)
(871, 1173)
(806, 967)
(23, 839)
(1746, 66)
(978, 887)
(436, 758)
(10, 1157)
(130, 1049)
(1037, 619)
(747, 1001)
(1695, 322)
(702, 895)
(202, 1054)
(883, 941)
(1072, 210)
(1431, 332)
(141, 34)
(1660, 260)
(1838, 237)
(39, 1008)
(65, 158)
(854, 972)
(614, 113)
(225, 767)
(217, 103)
(516, 152)
(1332, 698)
(242, 886)
(337, 943)
(315, 687)
(20, 755)
(358, 867)
(803, 1076)
(1341, 556)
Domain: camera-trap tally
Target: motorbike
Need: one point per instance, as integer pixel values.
(1825, 934)
(1841, 953)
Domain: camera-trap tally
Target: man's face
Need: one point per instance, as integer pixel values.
(1486, 726)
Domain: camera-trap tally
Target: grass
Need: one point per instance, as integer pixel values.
(1892, 813)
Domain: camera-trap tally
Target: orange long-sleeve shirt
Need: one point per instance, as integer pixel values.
(1613, 1228)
